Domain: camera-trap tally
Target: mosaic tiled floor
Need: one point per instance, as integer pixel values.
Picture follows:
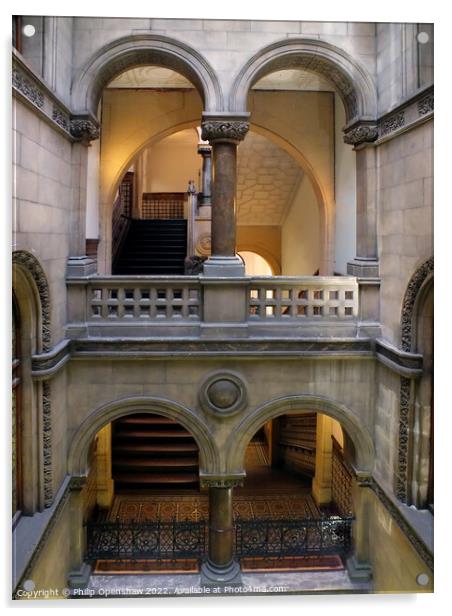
(132, 508)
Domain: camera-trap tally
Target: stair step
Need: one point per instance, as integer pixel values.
(156, 462)
(136, 448)
(151, 478)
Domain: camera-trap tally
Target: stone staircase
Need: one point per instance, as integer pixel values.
(154, 248)
(153, 452)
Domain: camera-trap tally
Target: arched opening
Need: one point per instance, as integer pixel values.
(298, 478)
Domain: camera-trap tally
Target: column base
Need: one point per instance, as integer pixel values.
(213, 576)
(217, 266)
(80, 577)
(364, 267)
(357, 570)
(80, 266)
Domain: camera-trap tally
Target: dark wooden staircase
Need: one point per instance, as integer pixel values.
(153, 248)
(152, 452)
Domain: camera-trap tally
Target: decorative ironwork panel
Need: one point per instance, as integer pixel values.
(168, 206)
(280, 538)
(146, 540)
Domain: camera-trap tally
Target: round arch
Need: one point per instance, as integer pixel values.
(419, 282)
(78, 454)
(289, 405)
(261, 252)
(138, 50)
(354, 84)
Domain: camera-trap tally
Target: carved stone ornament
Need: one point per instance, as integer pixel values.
(220, 130)
(47, 443)
(389, 125)
(413, 288)
(426, 104)
(27, 88)
(193, 265)
(61, 118)
(29, 263)
(364, 133)
(84, 130)
(204, 244)
(223, 393)
(404, 420)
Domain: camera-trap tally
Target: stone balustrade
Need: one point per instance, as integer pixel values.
(197, 306)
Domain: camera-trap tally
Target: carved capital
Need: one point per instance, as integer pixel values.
(205, 150)
(84, 129)
(224, 130)
(361, 133)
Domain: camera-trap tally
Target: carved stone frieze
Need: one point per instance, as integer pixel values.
(47, 443)
(224, 130)
(404, 421)
(426, 104)
(60, 117)
(389, 125)
(84, 129)
(362, 133)
(27, 88)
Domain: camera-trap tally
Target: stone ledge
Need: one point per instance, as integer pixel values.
(401, 362)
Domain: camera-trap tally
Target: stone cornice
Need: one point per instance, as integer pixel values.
(34, 92)
(403, 363)
(224, 127)
(45, 365)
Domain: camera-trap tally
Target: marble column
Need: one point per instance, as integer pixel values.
(224, 133)
(206, 152)
(362, 137)
(220, 567)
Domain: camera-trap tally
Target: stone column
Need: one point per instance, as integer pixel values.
(83, 129)
(321, 484)
(224, 133)
(362, 135)
(220, 569)
(206, 152)
(358, 564)
(79, 570)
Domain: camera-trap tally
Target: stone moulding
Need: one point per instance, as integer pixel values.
(426, 104)
(368, 481)
(31, 265)
(405, 364)
(406, 324)
(392, 123)
(221, 481)
(409, 300)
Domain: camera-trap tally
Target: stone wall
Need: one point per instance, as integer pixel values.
(405, 236)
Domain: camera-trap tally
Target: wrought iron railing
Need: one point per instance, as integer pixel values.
(146, 540)
(290, 537)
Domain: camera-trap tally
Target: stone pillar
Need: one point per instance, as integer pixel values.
(83, 129)
(105, 485)
(321, 484)
(206, 152)
(220, 568)
(79, 570)
(362, 135)
(358, 564)
(224, 134)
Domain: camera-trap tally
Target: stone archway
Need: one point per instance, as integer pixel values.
(78, 454)
(244, 431)
(353, 83)
(137, 50)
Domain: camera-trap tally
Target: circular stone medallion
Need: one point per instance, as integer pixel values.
(223, 393)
